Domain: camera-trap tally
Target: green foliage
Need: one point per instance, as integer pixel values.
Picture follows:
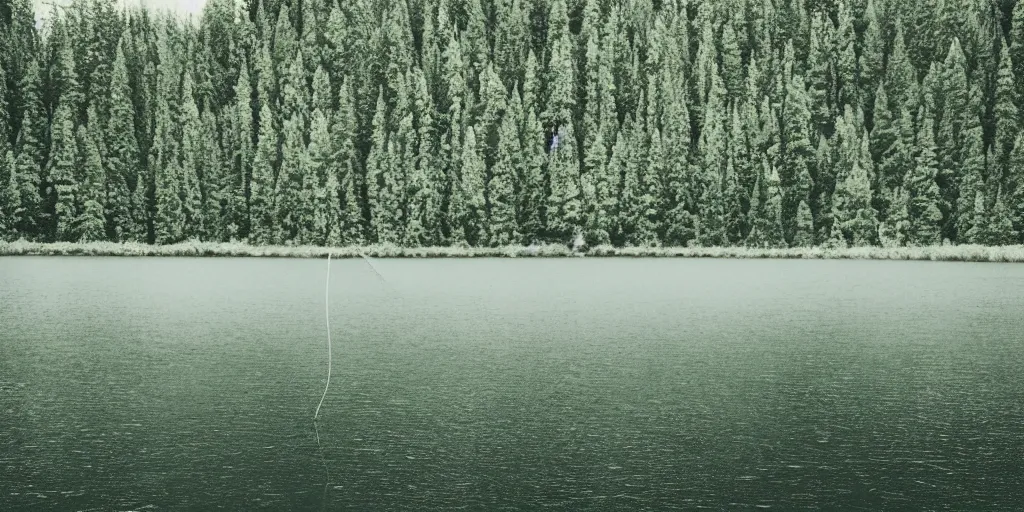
(90, 223)
(504, 229)
(923, 190)
(474, 207)
(318, 122)
(121, 160)
(61, 174)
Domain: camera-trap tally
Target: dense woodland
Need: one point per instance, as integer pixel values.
(765, 123)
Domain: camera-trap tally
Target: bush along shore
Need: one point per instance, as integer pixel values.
(972, 253)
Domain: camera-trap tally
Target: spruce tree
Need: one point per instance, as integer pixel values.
(564, 206)
(501, 189)
(61, 170)
(971, 183)
(320, 187)
(377, 165)
(241, 152)
(1017, 45)
(121, 161)
(1014, 192)
(895, 230)
(631, 219)
(170, 217)
(796, 151)
(923, 190)
(872, 56)
(472, 180)
(29, 156)
(804, 236)
(424, 190)
(193, 224)
(855, 220)
(1006, 114)
(264, 224)
(532, 192)
(90, 223)
(5, 120)
(346, 161)
(1000, 223)
(733, 199)
(846, 63)
(10, 199)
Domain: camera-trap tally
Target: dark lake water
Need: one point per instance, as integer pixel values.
(582, 384)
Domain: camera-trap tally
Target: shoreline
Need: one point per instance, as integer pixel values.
(964, 253)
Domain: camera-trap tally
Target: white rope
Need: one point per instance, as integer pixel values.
(327, 311)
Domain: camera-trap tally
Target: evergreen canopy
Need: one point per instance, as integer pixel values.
(767, 123)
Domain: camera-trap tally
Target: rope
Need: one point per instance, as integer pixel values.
(327, 311)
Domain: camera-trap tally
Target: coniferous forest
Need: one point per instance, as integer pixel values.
(760, 123)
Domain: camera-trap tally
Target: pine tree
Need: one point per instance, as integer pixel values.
(60, 173)
(511, 40)
(652, 173)
(377, 165)
(733, 199)
(320, 187)
(819, 74)
(170, 217)
(264, 230)
(804, 236)
(121, 161)
(846, 63)
(895, 230)
(5, 121)
(767, 229)
(561, 84)
(564, 206)
(532, 192)
(424, 185)
(631, 224)
(732, 62)
(872, 56)
(901, 77)
(1000, 223)
(924, 198)
(241, 153)
(713, 150)
(292, 209)
(501, 189)
(286, 42)
(9, 197)
(402, 156)
(90, 223)
(193, 224)
(492, 98)
(473, 174)
(1017, 44)
(970, 184)
(886, 152)
(796, 152)
(1014, 193)
(855, 220)
(1006, 113)
(346, 161)
(29, 156)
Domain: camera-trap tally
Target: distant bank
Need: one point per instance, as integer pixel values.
(977, 253)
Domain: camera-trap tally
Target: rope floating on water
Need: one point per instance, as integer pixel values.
(327, 312)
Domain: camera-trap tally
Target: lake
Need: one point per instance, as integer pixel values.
(511, 384)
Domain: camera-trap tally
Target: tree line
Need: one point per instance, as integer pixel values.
(765, 123)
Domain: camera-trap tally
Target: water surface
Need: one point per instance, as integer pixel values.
(531, 384)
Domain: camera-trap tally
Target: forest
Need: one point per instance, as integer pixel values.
(489, 123)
